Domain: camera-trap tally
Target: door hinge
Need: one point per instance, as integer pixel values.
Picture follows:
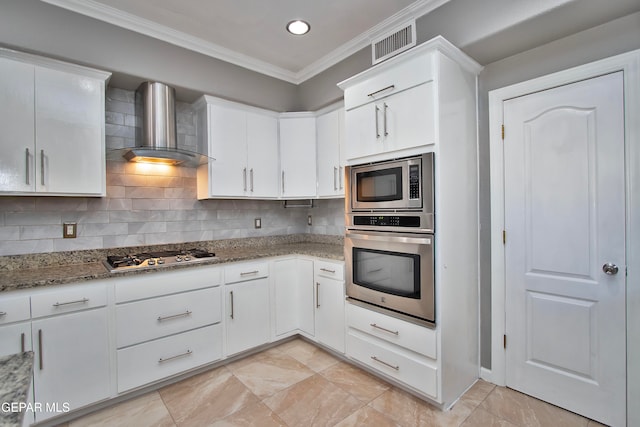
(503, 132)
(504, 237)
(504, 341)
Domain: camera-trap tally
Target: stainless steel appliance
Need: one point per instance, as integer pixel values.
(399, 194)
(393, 271)
(389, 239)
(149, 260)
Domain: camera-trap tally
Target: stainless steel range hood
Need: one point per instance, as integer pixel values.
(156, 136)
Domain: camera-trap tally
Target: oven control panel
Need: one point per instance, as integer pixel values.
(387, 220)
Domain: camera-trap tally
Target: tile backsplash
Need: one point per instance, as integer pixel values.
(148, 205)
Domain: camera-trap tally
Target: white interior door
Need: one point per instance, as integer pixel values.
(565, 224)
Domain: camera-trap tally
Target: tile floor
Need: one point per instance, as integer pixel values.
(298, 384)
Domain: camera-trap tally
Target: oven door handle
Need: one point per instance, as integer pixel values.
(421, 239)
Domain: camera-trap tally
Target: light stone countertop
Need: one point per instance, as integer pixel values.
(15, 380)
(36, 275)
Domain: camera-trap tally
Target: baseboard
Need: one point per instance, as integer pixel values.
(486, 375)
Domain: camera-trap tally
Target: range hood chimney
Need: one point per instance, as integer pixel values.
(156, 136)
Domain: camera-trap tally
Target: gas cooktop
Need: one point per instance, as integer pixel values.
(150, 260)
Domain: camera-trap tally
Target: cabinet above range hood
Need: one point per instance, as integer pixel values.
(156, 135)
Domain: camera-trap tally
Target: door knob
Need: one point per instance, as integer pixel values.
(610, 269)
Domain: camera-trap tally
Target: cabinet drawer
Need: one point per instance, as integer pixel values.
(159, 359)
(409, 369)
(389, 81)
(246, 271)
(399, 332)
(14, 309)
(158, 317)
(69, 299)
(331, 270)
(166, 282)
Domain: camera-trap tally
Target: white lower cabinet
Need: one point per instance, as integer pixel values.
(158, 317)
(293, 297)
(164, 357)
(397, 349)
(15, 325)
(329, 304)
(72, 361)
(167, 324)
(247, 303)
(396, 362)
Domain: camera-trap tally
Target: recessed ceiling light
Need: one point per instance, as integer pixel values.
(298, 27)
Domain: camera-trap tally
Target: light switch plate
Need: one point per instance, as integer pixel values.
(309, 220)
(69, 230)
(257, 223)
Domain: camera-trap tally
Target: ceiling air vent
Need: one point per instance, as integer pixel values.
(392, 44)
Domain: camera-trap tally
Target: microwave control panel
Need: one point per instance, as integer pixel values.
(414, 181)
(387, 220)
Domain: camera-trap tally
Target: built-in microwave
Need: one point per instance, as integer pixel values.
(391, 195)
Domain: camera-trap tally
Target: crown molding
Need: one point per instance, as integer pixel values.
(149, 28)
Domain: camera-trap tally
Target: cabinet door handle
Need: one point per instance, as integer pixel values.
(396, 367)
(247, 273)
(341, 178)
(22, 337)
(326, 270)
(251, 178)
(317, 294)
(231, 295)
(372, 94)
(42, 167)
(80, 301)
(384, 329)
(282, 182)
(27, 164)
(40, 349)
(386, 131)
(174, 316)
(335, 178)
(244, 179)
(377, 127)
(177, 356)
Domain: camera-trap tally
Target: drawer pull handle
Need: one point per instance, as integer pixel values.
(384, 329)
(246, 273)
(326, 270)
(80, 301)
(178, 356)
(174, 316)
(22, 342)
(397, 368)
(3, 313)
(372, 94)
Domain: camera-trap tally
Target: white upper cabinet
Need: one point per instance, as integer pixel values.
(331, 161)
(297, 155)
(52, 116)
(398, 107)
(262, 155)
(244, 142)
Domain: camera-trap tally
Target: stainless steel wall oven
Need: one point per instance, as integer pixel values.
(389, 238)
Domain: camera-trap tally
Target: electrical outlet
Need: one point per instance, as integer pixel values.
(257, 223)
(309, 220)
(69, 230)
